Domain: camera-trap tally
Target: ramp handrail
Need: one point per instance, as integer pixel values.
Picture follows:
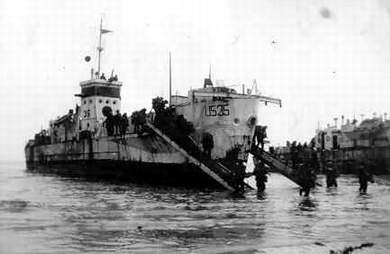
(275, 163)
(192, 159)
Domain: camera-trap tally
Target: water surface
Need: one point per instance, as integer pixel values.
(52, 214)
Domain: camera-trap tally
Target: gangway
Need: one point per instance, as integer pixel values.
(215, 170)
(274, 163)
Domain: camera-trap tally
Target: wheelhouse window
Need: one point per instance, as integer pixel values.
(113, 92)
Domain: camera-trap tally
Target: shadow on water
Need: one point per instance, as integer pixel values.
(236, 195)
(363, 201)
(13, 206)
(261, 195)
(332, 191)
(307, 204)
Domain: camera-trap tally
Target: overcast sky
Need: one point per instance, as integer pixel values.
(322, 58)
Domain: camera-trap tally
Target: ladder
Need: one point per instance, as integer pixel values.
(214, 169)
(274, 163)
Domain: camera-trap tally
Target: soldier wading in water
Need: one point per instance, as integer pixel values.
(307, 180)
(331, 175)
(260, 172)
(364, 177)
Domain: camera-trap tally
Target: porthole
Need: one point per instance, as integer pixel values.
(85, 102)
(114, 102)
(236, 120)
(90, 101)
(107, 101)
(100, 101)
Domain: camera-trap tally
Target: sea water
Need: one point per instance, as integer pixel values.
(52, 214)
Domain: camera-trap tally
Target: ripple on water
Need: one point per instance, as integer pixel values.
(13, 206)
(65, 215)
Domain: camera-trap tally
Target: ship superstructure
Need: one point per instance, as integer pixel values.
(354, 144)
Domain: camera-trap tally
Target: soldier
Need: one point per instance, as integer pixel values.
(117, 122)
(124, 124)
(256, 136)
(260, 174)
(239, 179)
(294, 154)
(263, 136)
(141, 119)
(307, 180)
(313, 159)
(134, 120)
(109, 124)
(331, 175)
(260, 135)
(364, 177)
(208, 143)
(142, 116)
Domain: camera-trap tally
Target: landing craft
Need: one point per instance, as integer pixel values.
(170, 146)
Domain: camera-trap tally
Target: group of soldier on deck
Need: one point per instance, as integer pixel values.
(116, 124)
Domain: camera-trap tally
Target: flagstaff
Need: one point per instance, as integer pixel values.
(100, 48)
(170, 79)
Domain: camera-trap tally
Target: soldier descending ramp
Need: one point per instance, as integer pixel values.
(215, 170)
(274, 163)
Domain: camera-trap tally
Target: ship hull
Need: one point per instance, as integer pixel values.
(146, 159)
(164, 174)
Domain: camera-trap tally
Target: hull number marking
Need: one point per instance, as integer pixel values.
(217, 110)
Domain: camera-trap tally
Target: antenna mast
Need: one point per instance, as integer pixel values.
(170, 79)
(100, 49)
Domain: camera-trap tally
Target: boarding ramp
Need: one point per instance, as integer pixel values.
(217, 171)
(274, 163)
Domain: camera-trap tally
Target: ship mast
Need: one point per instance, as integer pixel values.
(170, 80)
(100, 48)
